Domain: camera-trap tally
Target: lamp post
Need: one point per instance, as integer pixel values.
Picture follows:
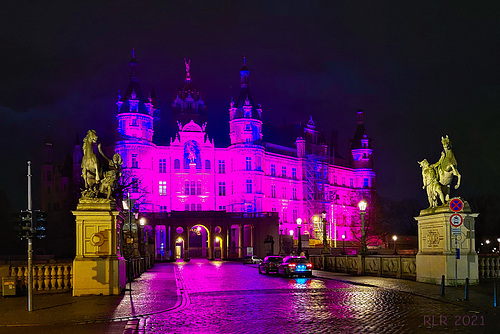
(395, 237)
(128, 204)
(362, 207)
(299, 248)
(343, 245)
(325, 243)
(281, 252)
(142, 237)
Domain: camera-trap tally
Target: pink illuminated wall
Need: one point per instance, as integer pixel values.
(192, 174)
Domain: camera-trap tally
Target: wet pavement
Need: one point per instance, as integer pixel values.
(203, 296)
(232, 298)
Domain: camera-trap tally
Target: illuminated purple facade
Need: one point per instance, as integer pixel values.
(251, 175)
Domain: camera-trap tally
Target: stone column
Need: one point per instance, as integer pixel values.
(98, 267)
(240, 240)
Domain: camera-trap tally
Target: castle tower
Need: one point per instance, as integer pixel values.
(245, 117)
(135, 112)
(361, 158)
(188, 104)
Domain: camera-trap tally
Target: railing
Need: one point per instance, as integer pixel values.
(489, 266)
(374, 265)
(46, 277)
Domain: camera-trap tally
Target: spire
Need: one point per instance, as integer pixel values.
(244, 74)
(133, 65)
(187, 63)
(360, 117)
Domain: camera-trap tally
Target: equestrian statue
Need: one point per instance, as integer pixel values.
(100, 179)
(437, 177)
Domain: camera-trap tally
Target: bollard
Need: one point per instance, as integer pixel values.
(494, 293)
(442, 285)
(466, 292)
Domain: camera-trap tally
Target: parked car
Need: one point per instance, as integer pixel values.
(295, 265)
(251, 259)
(270, 264)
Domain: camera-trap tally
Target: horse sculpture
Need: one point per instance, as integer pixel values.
(446, 168)
(90, 163)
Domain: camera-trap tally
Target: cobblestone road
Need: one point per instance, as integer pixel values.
(233, 298)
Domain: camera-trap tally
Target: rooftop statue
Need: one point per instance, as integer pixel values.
(437, 177)
(100, 180)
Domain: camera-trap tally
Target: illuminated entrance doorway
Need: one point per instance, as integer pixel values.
(198, 242)
(179, 248)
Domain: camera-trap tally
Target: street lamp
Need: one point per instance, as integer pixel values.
(395, 237)
(325, 244)
(362, 207)
(128, 204)
(299, 248)
(343, 245)
(142, 238)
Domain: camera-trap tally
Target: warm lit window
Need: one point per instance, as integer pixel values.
(162, 188)
(162, 166)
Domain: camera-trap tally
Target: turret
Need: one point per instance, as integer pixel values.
(361, 148)
(244, 115)
(135, 112)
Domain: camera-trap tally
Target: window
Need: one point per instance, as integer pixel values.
(186, 207)
(222, 188)
(49, 175)
(162, 166)
(273, 210)
(294, 172)
(248, 165)
(249, 186)
(193, 189)
(294, 195)
(283, 192)
(198, 188)
(351, 182)
(134, 120)
(207, 164)
(193, 207)
(365, 183)
(135, 163)
(162, 185)
(177, 164)
(232, 188)
(273, 170)
(222, 208)
(198, 207)
(273, 191)
(186, 188)
(335, 179)
(222, 166)
(283, 171)
(135, 185)
(163, 208)
(294, 213)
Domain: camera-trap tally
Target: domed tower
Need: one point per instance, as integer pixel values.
(361, 158)
(188, 104)
(245, 117)
(135, 112)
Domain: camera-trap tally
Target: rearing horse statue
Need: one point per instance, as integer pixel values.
(90, 163)
(446, 168)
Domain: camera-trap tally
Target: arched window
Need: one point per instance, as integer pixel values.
(207, 164)
(177, 164)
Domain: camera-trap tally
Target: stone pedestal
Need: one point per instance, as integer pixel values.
(98, 267)
(437, 251)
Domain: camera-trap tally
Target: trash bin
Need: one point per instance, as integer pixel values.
(8, 286)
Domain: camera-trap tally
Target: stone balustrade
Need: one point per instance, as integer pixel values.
(374, 265)
(489, 266)
(46, 277)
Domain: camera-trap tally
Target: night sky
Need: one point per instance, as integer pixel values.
(418, 70)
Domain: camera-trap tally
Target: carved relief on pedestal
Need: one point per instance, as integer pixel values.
(433, 239)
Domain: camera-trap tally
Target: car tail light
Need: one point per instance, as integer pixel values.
(309, 265)
(293, 265)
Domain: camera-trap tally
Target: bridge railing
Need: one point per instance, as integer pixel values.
(489, 266)
(53, 277)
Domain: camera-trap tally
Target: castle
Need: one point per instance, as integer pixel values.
(192, 173)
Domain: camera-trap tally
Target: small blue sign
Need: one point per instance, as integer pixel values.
(458, 253)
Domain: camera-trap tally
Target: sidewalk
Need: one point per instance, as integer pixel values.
(480, 296)
(155, 291)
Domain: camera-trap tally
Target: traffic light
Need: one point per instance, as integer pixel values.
(40, 223)
(24, 227)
